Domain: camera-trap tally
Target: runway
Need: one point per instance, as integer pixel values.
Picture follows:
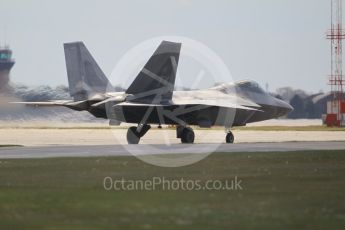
(128, 150)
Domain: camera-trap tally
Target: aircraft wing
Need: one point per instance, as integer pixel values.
(227, 101)
(219, 103)
(188, 103)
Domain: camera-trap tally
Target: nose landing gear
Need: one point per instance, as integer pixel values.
(229, 137)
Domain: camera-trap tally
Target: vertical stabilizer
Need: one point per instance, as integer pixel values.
(155, 82)
(85, 77)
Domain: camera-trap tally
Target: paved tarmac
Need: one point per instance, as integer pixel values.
(126, 150)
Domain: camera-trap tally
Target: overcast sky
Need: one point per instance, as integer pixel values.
(279, 42)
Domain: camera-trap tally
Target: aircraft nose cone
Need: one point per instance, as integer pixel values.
(283, 107)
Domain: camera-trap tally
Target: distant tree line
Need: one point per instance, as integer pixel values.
(308, 106)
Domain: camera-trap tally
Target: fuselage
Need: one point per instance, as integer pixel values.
(269, 106)
(210, 107)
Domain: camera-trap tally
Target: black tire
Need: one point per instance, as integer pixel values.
(229, 138)
(187, 136)
(132, 136)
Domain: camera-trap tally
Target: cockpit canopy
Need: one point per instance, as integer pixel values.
(250, 86)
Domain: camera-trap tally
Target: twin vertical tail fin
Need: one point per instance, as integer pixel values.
(155, 82)
(85, 77)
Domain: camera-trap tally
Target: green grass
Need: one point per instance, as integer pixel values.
(297, 190)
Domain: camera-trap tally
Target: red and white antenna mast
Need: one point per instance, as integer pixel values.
(336, 107)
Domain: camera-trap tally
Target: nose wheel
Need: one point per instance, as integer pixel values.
(230, 138)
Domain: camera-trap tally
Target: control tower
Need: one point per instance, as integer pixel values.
(6, 64)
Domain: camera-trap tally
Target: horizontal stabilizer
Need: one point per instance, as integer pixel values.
(43, 103)
(78, 105)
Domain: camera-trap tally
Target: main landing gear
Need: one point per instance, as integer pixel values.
(135, 133)
(186, 134)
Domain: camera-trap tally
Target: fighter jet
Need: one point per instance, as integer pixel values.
(151, 99)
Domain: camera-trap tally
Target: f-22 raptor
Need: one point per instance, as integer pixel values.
(151, 99)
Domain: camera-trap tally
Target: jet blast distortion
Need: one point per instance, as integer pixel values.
(336, 107)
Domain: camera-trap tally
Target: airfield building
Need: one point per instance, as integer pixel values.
(6, 64)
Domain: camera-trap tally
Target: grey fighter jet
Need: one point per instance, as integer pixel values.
(151, 99)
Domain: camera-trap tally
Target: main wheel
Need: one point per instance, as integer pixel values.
(187, 136)
(132, 135)
(229, 138)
